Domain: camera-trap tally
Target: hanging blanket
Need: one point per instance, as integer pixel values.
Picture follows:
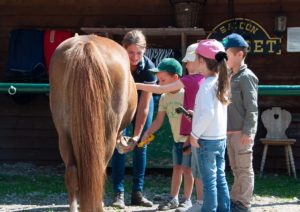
(52, 39)
(26, 58)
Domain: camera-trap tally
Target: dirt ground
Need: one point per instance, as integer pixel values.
(58, 203)
(260, 204)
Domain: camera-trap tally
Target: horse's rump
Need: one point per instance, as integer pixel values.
(92, 95)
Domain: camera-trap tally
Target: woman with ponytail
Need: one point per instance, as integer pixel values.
(209, 125)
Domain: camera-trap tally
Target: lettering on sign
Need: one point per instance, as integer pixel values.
(257, 37)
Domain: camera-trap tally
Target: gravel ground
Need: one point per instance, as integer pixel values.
(260, 204)
(58, 203)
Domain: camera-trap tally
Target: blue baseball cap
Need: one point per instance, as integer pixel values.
(234, 40)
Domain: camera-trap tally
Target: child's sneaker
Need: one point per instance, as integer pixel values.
(184, 206)
(196, 207)
(169, 204)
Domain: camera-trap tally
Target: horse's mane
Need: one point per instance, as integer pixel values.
(87, 88)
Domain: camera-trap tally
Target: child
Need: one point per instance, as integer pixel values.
(169, 71)
(191, 84)
(242, 122)
(192, 67)
(209, 125)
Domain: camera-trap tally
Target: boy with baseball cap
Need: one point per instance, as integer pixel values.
(170, 71)
(242, 122)
(191, 84)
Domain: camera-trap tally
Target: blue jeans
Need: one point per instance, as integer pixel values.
(210, 157)
(138, 161)
(179, 158)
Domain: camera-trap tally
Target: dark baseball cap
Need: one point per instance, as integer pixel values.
(234, 40)
(168, 65)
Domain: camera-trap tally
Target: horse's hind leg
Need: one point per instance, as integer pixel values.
(72, 184)
(71, 175)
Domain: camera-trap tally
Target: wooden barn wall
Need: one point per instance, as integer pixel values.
(27, 131)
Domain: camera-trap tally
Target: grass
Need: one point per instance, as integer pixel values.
(26, 184)
(280, 186)
(18, 189)
(39, 184)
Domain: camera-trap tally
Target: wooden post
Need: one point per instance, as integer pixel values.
(287, 159)
(183, 49)
(292, 161)
(263, 160)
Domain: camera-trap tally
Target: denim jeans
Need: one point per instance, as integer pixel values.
(138, 161)
(195, 164)
(211, 161)
(179, 158)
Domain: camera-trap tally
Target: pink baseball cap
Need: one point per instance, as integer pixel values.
(209, 48)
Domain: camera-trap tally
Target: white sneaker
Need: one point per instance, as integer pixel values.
(184, 206)
(196, 207)
(171, 203)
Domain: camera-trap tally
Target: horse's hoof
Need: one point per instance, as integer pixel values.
(125, 145)
(124, 141)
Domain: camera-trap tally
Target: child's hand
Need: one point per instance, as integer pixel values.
(137, 85)
(145, 136)
(245, 139)
(194, 142)
(186, 148)
(191, 112)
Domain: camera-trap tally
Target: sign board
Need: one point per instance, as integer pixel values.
(293, 39)
(257, 37)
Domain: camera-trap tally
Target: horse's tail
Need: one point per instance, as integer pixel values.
(89, 94)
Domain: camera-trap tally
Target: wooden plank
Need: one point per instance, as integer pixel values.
(27, 123)
(28, 143)
(42, 22)
(21, 3)
(29, 155)
(147, 31)
(289, 103)
(15, 109)
(24, 133)
(104, 3)
(76, 21)
(38, 107)
(127, 21)
(250, 6)
(93, 10)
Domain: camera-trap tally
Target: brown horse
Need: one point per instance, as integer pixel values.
(92, 98)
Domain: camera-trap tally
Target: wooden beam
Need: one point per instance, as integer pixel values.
(146, 31)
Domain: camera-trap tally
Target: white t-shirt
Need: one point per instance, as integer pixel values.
(210, 115)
